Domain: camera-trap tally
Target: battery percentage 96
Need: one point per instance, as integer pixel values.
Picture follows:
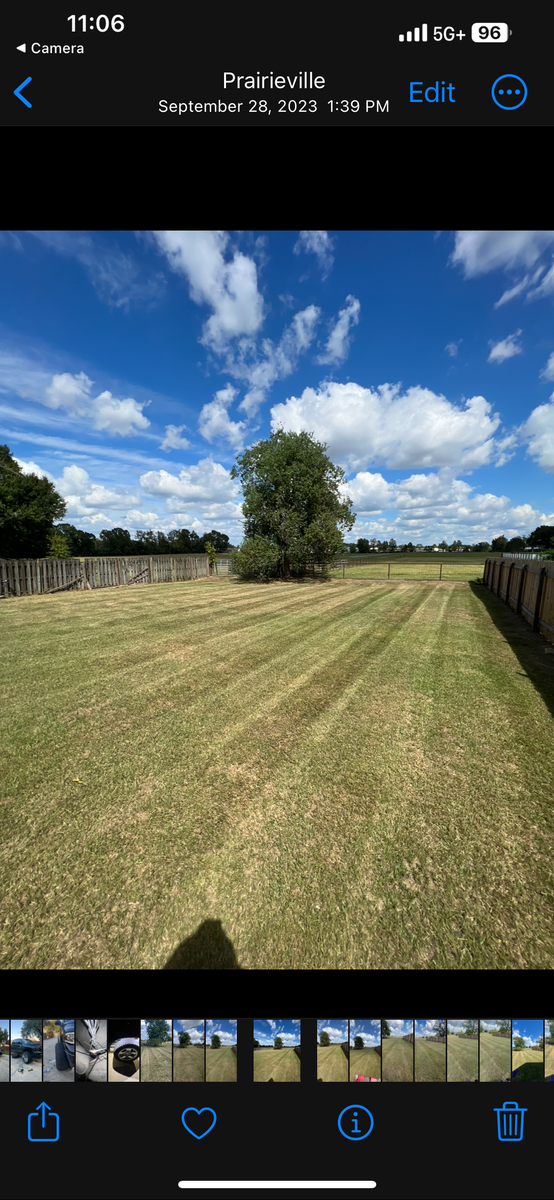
(489, 32)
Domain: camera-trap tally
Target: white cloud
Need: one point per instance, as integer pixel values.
(230, 287)
(73, 393)
(318, 242)
(260, 369)
(82, 496)
(548, 371)
(208, 481)
(481, 251)
(118, 279)
(401, 429)
(215, 423)
(338, 342)
(452, 348)
(31, 468)
(505, 349)
(173, 439)
(539, 430)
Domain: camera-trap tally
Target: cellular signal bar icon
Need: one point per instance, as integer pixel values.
(415, 35)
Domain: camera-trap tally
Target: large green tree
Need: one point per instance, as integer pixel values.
(358, 1043)
(216, 1041)
(385, 1029)
(324, 1039)
(184, 1038)
(539, 539)
(470, 1027)
(292, 500)
(439, 1028)
(278, 1043)
(82, 544)
(504, 1026)
(32, 1028)
(158, 1031)
(28, 508)
(519, 1043)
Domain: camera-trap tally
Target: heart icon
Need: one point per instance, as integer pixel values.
(198, 1112)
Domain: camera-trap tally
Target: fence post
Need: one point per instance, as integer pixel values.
(508, 584)
(388, 576)
(440, 576)
(536, 616)
(150, 570)
(520, 592)
(343, 570)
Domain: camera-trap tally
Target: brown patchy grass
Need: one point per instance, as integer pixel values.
(346, 775)
(188, 1064)
(155, 1064)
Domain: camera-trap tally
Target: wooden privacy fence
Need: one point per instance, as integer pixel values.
(528, 588)
(27, 576)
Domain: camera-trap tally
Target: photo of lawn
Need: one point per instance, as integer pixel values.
(365, 1050)
(202, 743)
(462, 1053)
(188, 1051)
(528, 1051)
(459, 568)
(495, 1051)
(221, 1051)
(430, 1055)
(277, 1051)
(549, 1051)
(156, 1057)
(397, 1055)
(332, 1050)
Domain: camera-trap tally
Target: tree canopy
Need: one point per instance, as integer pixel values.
(439, 1028)
(539, 539)
(385, 1029)
(358, 1043)
(324, 1039)
(278, 1043)
(184, 1039)
(292, 506)
(216, 1041)
(28, 508)
(158, 1031)
(32, 1028)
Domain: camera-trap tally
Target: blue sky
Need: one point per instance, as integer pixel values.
(528, 1030)
(266, 1031)
(400, 1028)
(134, 366)
(195, 1028)
(144, 1031)
(227, 1031)
(370, 1031)
(337, 1030)
(16, 1029)
(425, 1028)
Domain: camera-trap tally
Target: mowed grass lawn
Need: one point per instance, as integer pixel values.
(430, 1061)
(155, 1064)
(455, 567)
(548, 1060)
(366, 1062)
(221, 1065)
(308, 775)
(332, 1064)
(462, 1064)
(398, 1060)
(496, 1057)
(188, 1064)
(281, 1066)
(519, 1057)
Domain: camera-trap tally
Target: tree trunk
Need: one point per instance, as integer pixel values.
(286, 567)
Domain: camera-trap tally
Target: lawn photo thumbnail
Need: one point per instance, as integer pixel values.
(277, 1051)
(527, 1051)
(332, 1050)
(365, 1051)
(189, 1044)
(398, 1051)
(221, 1051)
(430, 1051)
(462, 1051)
(156, 1059)
(495, 1051)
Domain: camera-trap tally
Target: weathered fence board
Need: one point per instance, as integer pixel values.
(527, 587)
(24, 577)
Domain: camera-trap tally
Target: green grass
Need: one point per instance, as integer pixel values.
(462, 1059)
(519, 1057)
(281, 1066)
(155, 1064)
(397, 1060)
(455, 567)
(188, 1064)
(496, 1057)
(221, 1065)
(332, 1065)
(430, 1061)
(365, 1062)
(286, 776)
(548, 1060)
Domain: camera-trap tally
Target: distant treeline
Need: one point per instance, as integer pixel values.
(539, 539)
(119, 542)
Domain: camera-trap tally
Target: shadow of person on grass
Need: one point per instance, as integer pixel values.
(209, 949)
(530, 647)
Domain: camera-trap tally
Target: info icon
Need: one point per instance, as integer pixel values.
(355, 1122)
(509, 91)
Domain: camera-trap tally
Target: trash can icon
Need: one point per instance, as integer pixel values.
(510, 1121)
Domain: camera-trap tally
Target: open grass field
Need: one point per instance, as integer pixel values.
(548, 1061)
(455, 567)
(221, 1065)
(188, 1064)
(365, 1062)
(311, 775)
(462, 1059)
(281, 1066)
(155, 1063)
(519, 1057)
(397, 1060)
(496, 1058)
(430, 1061)
(332, 1064)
